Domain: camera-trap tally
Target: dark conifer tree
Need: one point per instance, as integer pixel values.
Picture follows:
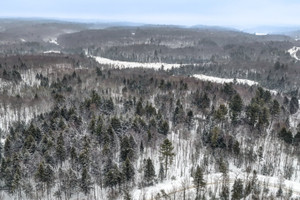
(167, 154)
(60, 149)
(199, 181)
(237, 190)
(149, 172)
(128, 171)
(294, 105)
(85, 181)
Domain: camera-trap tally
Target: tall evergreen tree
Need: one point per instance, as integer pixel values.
(149, 172)
(85, 181)
(99, 129)
(60, 149)
(294, 105)
(161, 173)
(237, 190)
(128, 171)
(178, 115)
(7, 147)
(113, 177)
(275, 108)
(49, 179)
(286, 135)
(221, 112)
(126, 149)
(199, 181)
(139, 108)
(163, 127)
(92, 125)
(236, 106)
(40, 177)
(167, 154)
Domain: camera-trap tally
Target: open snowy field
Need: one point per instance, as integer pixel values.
(125, 64)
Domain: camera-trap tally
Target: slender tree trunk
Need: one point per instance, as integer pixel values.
(95, 192)
(166, 166)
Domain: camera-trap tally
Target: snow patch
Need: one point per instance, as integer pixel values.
(53, 41)
(126, 64)
(261, 34)
(52, 51)
(2, 141)
(293, 52)
(230, 80)
(225, 80)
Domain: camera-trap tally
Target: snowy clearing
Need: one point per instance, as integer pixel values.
(224, 80)
(230, 80)
(261, 34)
(51, 40)
(126, 64)
(293, 52)
(52, 51)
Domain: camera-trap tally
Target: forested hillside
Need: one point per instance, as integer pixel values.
(144, 134)
(150, 112)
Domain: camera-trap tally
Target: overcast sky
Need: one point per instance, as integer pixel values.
(238, 13)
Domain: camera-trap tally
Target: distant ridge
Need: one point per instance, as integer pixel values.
(293, 31)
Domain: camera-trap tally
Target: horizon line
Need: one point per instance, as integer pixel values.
(94, 20)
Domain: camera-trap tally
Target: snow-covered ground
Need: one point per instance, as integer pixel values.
(52, 51)
(125, 64)
(293, 52)
(179, 175)
(215, 79)
(177, 186)
(225, 80)
(9, 114)
(28, 80)
(167, 66)
(51, 39)
(261, 34)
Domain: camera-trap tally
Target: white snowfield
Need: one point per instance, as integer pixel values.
(126, 64)
(52, 51)
(215, 79)
(261, 34)
(53, 41)
(224, 80)
(167, 66)
(293, 52)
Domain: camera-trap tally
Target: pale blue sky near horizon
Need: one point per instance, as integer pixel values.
(234, 13)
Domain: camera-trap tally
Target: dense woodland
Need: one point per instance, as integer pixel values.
(72, 128)
(111, 132)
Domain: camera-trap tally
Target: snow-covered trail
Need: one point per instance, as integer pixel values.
(293, 52)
